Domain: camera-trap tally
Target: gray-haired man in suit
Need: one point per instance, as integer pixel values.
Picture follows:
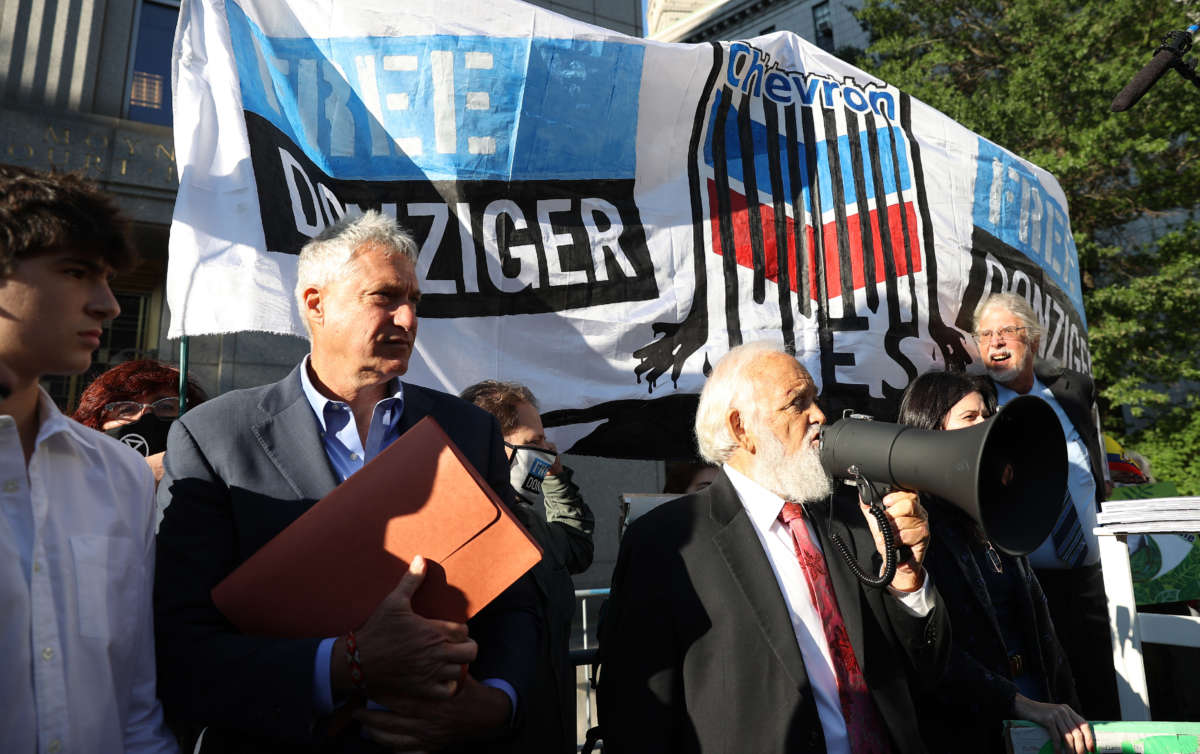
(243, 466)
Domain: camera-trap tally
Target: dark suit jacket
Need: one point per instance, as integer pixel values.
(698, 652)
(1076, 393)
(565, 534)
(976, 693)
(239, 469)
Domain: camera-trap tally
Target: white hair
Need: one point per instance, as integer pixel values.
(728, 387)
(326, 257)
(1016, 305)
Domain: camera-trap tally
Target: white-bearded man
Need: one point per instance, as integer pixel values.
(731, 627)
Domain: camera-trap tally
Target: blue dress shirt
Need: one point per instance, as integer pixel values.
(344, 448)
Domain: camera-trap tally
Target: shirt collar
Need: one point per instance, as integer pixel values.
(762, 505)
(319, 402)
(52, 422)
(1005, 394)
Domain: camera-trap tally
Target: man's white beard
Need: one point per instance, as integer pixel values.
(799, 478)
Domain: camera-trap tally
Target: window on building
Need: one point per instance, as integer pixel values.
(150, 81)
(823, 26)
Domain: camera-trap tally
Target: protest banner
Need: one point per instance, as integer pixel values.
(602, 217)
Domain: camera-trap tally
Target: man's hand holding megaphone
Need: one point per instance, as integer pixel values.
(910, 528)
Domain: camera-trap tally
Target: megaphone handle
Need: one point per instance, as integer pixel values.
(872, 494)
(874, 500)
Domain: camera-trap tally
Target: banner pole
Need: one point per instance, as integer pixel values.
(183, 373)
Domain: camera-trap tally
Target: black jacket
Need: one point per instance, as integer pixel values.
(698, 653)
(975, 695)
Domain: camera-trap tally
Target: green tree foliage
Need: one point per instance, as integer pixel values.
(1144, 322)
(1038, 78)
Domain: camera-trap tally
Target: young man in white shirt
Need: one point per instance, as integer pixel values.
(76, 506)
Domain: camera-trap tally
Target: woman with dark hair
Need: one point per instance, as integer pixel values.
(136, 402)
(1006, 662)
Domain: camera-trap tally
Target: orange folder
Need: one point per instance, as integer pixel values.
(326, 573)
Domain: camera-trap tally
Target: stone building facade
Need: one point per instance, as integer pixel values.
(828, 23)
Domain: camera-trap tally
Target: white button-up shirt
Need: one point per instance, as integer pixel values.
(763, 507)
(76, 573)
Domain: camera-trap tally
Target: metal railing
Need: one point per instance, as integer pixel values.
(586, 655)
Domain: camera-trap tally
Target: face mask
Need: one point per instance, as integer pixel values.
(528, 467)
(147, 435)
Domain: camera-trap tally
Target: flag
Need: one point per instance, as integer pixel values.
(601, 217)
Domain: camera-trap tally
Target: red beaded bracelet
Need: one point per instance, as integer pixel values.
(355, 662)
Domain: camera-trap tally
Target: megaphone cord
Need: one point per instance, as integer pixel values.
(871, 496)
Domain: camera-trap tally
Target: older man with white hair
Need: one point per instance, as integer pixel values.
(243, 466)
(732, 626)
(1068, 563)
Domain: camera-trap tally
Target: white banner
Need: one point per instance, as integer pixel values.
(602, 217)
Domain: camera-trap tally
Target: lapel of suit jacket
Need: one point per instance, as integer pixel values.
(417, 406)
(289, 433)
(845, 584)
(738, 544)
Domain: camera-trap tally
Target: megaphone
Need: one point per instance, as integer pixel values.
(1009, 473)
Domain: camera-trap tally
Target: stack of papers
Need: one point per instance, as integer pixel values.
(1158, 514)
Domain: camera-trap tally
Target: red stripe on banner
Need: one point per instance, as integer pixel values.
(714, 219)
(914, 238)
(877, 245)
(896, 231)
(833, 266)
(854, 235)
(766, 214)
(739, 221)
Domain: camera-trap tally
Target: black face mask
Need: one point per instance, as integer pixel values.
(147, 435)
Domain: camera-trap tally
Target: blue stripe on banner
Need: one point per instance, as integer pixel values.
(886, 166)
(762, 171)
(444, 107)
(825, 179)
(1011, 204)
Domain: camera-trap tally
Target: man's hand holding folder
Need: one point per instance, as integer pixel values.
(414, 666)
(403, 653)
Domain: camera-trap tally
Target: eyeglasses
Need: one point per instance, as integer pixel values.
(163, 408)
(1006, 333)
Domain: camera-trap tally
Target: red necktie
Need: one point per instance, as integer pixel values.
(867, 732)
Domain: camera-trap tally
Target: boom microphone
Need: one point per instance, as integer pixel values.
(1169, 54)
